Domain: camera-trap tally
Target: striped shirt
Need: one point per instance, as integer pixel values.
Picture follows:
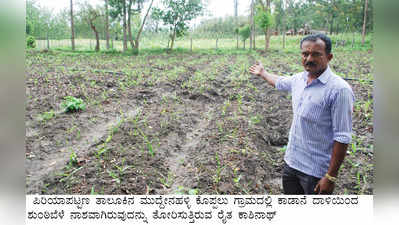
(322, 114)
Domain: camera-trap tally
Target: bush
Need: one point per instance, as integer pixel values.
(30, 42)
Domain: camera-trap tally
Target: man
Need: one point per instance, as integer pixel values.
(321, 129)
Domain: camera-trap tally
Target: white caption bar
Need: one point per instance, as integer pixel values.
(201, 209)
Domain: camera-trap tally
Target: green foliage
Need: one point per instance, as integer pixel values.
(73, 159)
(193, 192)
(30, 42)
(244, 32)
(224, 27)
(263, 18)
(72, 104)
(47, 115)
(29, 28)
(176, 14)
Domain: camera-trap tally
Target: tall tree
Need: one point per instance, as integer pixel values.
(72, 28)
(364, 21)
(176, 14)
(106, 24)
(91, 16)
(136, 12)
(123, 9)
(264, 19)
(245, 32)
(137, 40)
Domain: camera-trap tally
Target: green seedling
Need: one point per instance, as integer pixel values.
(180, 190)
(114, 176)
(219, 169)
(148, 143)
(255, 120)
(73, 159)
(168, 181)
(92, 191)
(102, 149)
(72, 104)
(193, 192)
(47, 115)
(237, 179)
(122, 169)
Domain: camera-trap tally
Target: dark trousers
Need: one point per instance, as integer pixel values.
(298, 183)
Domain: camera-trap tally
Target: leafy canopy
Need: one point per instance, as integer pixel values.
(245, 32)
(177, 13)
(263, 18)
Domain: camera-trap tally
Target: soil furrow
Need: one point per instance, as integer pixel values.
(180, 165)
(38, 168)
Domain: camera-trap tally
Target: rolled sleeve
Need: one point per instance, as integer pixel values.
(341, 114)
(284, 83)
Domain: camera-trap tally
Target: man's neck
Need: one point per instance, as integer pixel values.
(314, 76)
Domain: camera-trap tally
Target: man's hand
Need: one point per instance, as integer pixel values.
(324, 186)
(257, 69)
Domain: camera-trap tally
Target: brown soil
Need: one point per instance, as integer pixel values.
(167, 124)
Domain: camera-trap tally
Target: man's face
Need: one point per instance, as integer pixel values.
(314, 57)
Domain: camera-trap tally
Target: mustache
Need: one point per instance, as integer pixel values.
(310, 64)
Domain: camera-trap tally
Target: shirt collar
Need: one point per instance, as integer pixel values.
(323, 78)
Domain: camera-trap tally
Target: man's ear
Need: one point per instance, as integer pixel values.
(329, 57)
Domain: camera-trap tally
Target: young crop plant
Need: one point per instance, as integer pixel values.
(92, 191)
(148, 143)
(167, 182)
(254, 120)
(219, 169)
(73, 159)
(72, 104)
(225, 106)
(114, 176)
(47, 115)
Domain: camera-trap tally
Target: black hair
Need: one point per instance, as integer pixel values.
(323, 37)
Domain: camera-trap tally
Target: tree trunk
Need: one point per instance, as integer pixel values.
(284, 25)
(236, 17)
(97, 48)
(254, 38)
(268, 29)
(251, 21)
(364, 21)
(266, 45)
(173, 38)
(124, 27)
(136, 46)
(106, 24)
(129, 23)
(283, 38)
(72, 29)
(48, 42)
